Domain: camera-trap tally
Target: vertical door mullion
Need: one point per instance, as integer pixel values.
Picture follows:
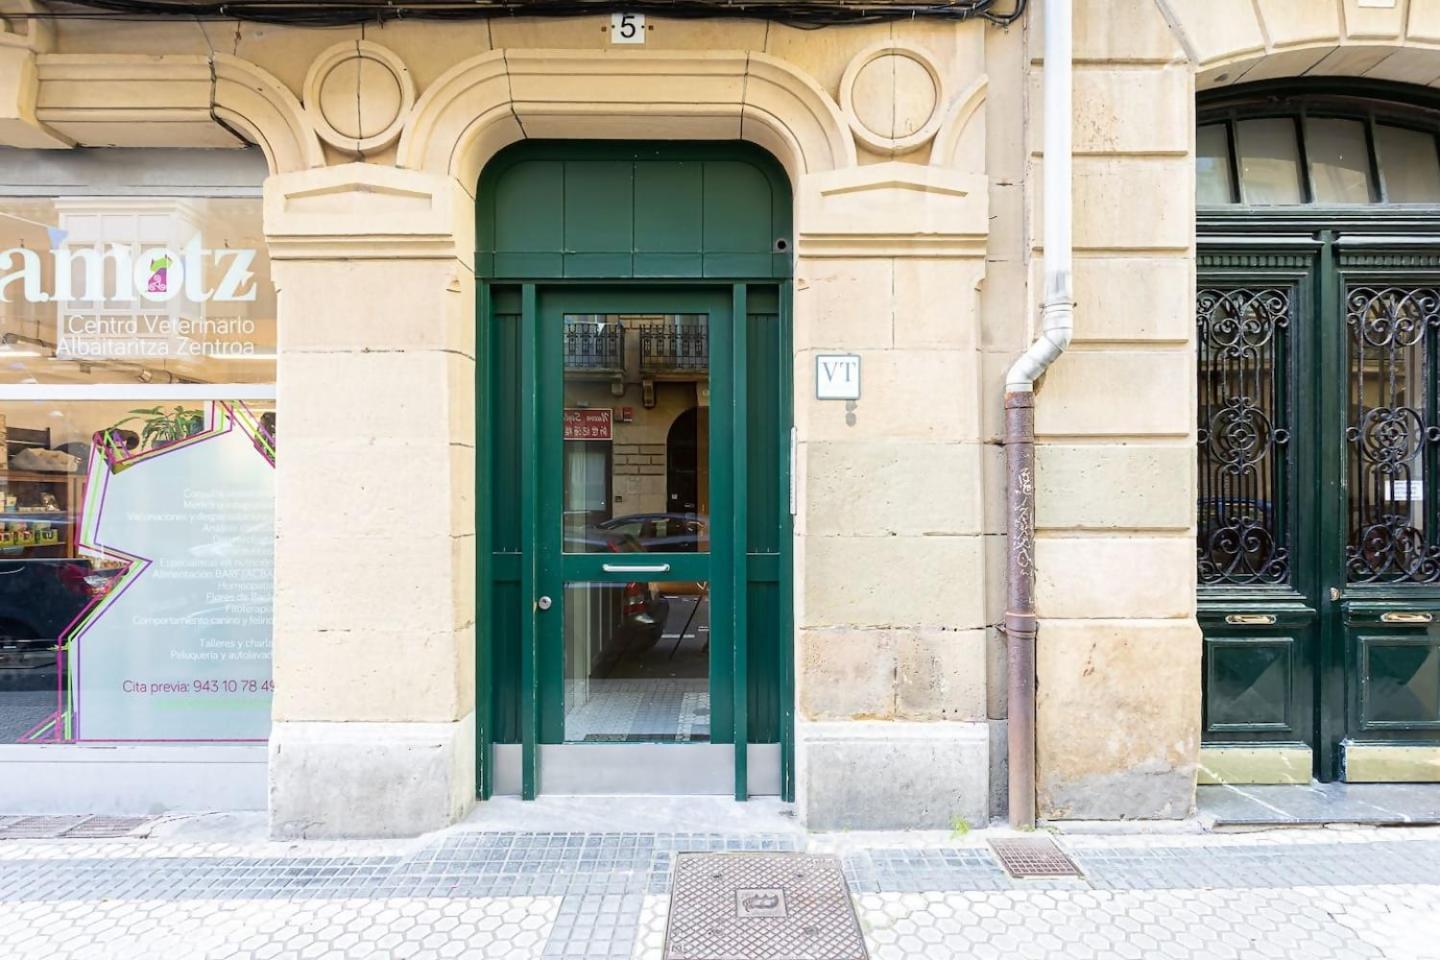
(549, 492)
(739, 572)
(484, 589)
(1329, 419)
(529, 529)
(722, 540)
(786, 367)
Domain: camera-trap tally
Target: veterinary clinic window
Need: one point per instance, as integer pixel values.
(137, 453)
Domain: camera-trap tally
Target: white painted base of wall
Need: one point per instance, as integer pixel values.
(131, 779)
(370, 779)
(635, 769)
(891, 775)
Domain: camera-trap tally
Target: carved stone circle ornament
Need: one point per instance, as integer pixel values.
(358, 95)
(893, 96)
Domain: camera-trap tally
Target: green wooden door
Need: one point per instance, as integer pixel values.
(638, 643)
(1318, 553)
(625, 285)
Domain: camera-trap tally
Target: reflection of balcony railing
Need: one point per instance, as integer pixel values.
(595, 345)
(676, 346)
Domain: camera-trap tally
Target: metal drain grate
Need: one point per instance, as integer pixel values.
(761, 906)
(70, 827)
(97, 828)
(1025, 857)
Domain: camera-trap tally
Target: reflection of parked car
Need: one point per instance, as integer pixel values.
(39, 599)
(641, 617)
(663, 532)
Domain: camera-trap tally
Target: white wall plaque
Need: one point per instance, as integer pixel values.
(837, 376)
(627, 28)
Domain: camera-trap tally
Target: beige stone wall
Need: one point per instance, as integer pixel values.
(1118, 654)
(914, 152)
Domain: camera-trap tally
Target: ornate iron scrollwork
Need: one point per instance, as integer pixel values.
(1244, 432)
(1392, 354)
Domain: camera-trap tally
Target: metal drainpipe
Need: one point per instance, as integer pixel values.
(1056, 326)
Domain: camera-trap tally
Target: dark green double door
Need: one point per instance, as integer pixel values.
(638, 563)
(1318, 554)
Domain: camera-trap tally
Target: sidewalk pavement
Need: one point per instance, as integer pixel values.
(513, 882)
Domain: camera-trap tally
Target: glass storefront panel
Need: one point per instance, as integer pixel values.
(136, 572)
(637, 662)
(134, 290)
(137, 452)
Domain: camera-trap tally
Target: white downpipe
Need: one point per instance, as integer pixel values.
(1057, 319)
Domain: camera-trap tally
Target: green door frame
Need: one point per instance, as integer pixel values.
(631, 217)
(536, 380)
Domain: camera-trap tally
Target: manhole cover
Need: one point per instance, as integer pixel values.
(1033, 857)
(761, 906)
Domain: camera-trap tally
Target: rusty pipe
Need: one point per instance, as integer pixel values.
(1056, 327)
(1020, 603)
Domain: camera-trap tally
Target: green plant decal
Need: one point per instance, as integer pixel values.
(161, 428)
(959, 827)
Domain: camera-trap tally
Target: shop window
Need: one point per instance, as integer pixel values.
(137, 451)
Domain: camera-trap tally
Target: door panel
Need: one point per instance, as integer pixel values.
(1319, 542)
(636, 645)
(1258, 684)
(1258, 598)
(1387, 550)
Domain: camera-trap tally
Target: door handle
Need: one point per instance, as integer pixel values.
(544, 603)
(1405, 616)
(1251, 619)
(635, 567)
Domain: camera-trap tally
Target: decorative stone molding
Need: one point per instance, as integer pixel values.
(1238, 42)
(367, 211)
(181, 101)
(886, 98)
(252, 100)
(19, 88)
(491, 100)
(358, 95)
(892, 209)
(960, 141)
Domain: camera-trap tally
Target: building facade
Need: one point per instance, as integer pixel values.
(643, 381)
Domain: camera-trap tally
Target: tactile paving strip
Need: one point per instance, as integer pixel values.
(1033, 857)
(761, 906)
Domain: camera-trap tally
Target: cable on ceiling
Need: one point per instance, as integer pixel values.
(335, 13)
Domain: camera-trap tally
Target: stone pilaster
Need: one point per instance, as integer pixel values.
(375, 513)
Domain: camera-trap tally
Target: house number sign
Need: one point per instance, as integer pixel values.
(627, 28)
(837, 376)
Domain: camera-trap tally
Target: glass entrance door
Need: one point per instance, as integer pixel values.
(635, 624)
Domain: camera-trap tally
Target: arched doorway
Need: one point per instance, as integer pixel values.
(682, 463)
(636, 340)
(1318, 332)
